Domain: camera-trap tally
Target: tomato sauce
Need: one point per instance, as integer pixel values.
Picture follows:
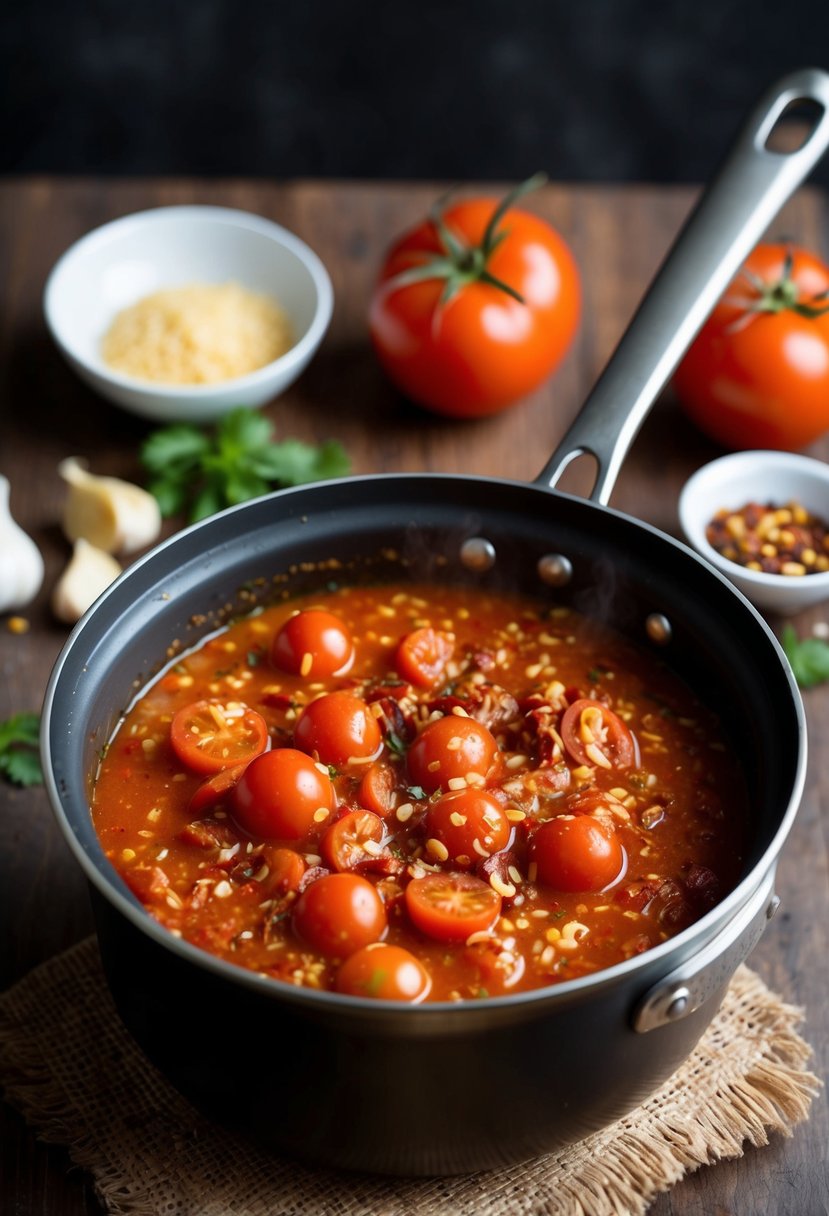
(421, 793)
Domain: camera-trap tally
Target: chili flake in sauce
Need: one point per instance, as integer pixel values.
(417, 792)
(776, 540)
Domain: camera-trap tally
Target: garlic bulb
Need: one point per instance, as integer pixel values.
(21, 565)
(111, 514)
(89, 572)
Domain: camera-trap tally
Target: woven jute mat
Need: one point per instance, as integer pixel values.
(69, 1066)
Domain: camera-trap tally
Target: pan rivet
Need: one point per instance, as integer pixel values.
(658, 628)
(555, 569)
(678, 1006)
(774, 904)
(478, 554)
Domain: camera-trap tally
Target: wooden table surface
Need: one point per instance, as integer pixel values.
(619, 235)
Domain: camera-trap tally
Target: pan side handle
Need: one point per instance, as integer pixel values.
(730, 218)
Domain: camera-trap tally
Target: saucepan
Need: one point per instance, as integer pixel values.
(441, 1088)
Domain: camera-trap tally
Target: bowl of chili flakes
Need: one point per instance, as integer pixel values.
(762, 519)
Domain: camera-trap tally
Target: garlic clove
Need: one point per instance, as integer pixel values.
(89, 572)
(111, 514)
(21, 564)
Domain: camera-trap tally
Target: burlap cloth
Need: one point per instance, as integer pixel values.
(75, 1074)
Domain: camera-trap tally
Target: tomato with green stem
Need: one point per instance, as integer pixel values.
(757, 374)
(384, 972)
(476, 307)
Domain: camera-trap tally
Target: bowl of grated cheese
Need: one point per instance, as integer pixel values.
(182, 313)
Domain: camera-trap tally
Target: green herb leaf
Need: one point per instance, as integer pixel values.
(19, 754)
(416, 792)
(202, 472)
(809, 658)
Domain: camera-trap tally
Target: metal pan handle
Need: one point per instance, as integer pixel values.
(726, 224)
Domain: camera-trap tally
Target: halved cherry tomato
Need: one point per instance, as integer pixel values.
(215, 790)
(387, 973)
(470, 823)
(281, 795)
(450, 907)
(379, 789)
(422, 656)
(448, 748)
(338, 914)
(338, 727)
(342, 844)
(594, 735)
(313, 643)
(209, 736)
(577, 853)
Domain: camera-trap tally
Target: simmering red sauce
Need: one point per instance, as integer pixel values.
(421, 793)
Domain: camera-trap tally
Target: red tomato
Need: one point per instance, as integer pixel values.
(387, 973)
(450, 907)
(215, 790)
(757, 375)
(577, 854)
(481, 349)
(593, 734)
(285, 867)
(470, 823)
(422, 656)
(342, 845)
(338, 727)
(339, 914)
(209, 736)
(313, 643)
(379, 789)
(281, 795)
(448, 748)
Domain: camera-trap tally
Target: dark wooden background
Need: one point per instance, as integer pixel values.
(619, 235)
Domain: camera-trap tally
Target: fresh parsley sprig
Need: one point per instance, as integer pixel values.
(809, 657)
(200, 472)
(19, 754)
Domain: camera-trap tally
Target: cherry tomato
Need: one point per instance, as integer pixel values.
(757, 374)
(338, 727)
(285, 867)
(594, 735)
(379, 789)
(281, 795)
(342, 845)
(481, 349)
(577, 853)
(470, 823)
(313, 643)
(450, 906)
(215, 790)
(422, 656)
(387, 973)
(451, 747)
(339, 914)
(209, 736)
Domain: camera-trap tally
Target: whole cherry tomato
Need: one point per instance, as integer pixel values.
(387, 973)
(576, 854)
(338, 914)
(313, 643)
(338, 727)
(475, 307)
(757, 375)
(470, 824)
(282, 795)
(448, 748)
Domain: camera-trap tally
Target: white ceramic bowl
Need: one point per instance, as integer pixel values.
(731, 482)
(118, 264)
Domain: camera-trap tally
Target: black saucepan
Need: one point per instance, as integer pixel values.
(449, 1088)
